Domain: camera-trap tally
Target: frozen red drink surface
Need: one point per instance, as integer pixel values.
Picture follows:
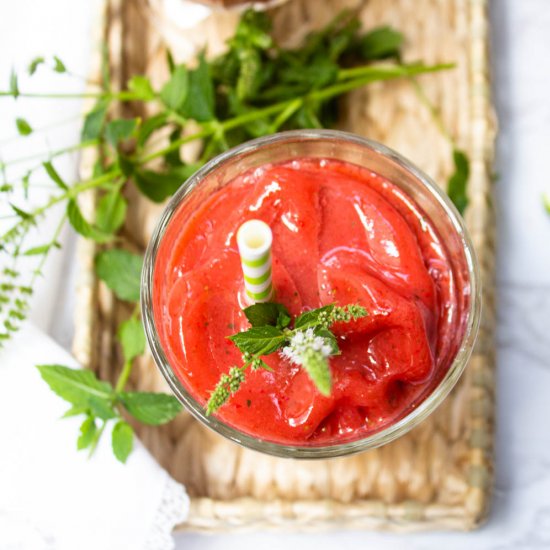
(341, 234)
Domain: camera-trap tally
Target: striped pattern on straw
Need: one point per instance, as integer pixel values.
(254, 239)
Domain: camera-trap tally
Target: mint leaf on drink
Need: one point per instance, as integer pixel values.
(309, 344)
(268, 313)
(122, 440)
(314, 317)
(259, 340)
(151, 408)
(120, 270)
(131, 338)
(317, 367)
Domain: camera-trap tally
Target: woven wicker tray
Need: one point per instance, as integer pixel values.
(438, 476)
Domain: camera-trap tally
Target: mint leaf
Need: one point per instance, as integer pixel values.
(93, 122)
(59, 66)
(174, 92)
(23, 127)
(111, 211)
(151, 408)
(381, 43)
(149, 126)
(329, 337)
(87, 433)
(259, 340)
(120, 130)
(77, 386)
(75, 410)
(456, 187)
(14, 86)
(34, 64)
(102, 408)
(199, 103)
(81, 226)
(268, 313)
(317, 367)
(54, 175)
(131, 338)
(160, 185)
(546, 202)
(122, 440)
(141, 86)
(21, 213)
(120, 270)
(314, 318)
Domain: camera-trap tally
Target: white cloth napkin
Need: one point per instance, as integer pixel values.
(52, 496)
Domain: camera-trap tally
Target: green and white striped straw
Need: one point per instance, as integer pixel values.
(254, 239)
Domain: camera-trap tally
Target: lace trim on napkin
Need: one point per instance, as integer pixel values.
(173, 509)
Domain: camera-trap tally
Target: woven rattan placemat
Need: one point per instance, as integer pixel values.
(439, 475)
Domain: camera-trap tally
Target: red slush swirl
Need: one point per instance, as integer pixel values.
(341, 234)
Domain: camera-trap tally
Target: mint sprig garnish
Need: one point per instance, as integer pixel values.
(310, 344)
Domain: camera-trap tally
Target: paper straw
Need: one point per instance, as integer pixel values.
(254, 240)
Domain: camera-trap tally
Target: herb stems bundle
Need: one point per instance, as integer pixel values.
(254, 89)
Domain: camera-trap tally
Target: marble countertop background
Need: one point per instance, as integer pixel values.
(520, 518)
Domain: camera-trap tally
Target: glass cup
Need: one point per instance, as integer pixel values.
(353, 149)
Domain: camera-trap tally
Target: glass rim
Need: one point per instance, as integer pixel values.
(376, 439)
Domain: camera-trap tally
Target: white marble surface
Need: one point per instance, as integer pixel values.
(521, 48)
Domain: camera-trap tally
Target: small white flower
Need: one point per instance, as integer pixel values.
(302, 342)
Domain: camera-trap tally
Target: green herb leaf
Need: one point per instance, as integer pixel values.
(160, 185)
(76, 410)
(314, 317)
(120, 270)
(87, 433)
(23, 127)
(120, 130)
(149, 126)
(259, 340)
(131, 338)
(151, 408)
(54, 175)
(329, 337)
(36, 250)
(93, 121)
(111, 211)
(546, 202)
(381, 43)
(59, 66)
(14, 87)
(174, 92)
(141, 86)
(457, 185)
(102, 408)
(21, 213)
(268, 313)
(82, 227)
(122, 440)
(76, 386)
(318, 370)
(34, 64)
(199, 103)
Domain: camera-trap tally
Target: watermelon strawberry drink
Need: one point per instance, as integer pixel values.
(342, 234)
